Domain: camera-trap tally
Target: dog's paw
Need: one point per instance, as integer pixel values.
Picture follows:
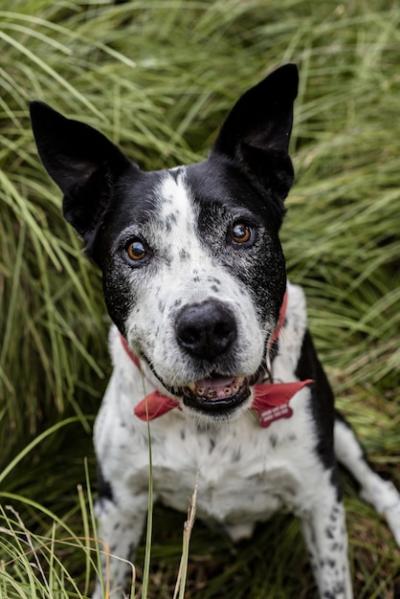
(240, 532)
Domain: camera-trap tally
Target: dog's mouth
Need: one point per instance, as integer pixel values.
(217, 394)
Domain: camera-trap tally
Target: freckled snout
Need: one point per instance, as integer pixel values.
(206, 330)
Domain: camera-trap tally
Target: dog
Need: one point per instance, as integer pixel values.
(210, 343)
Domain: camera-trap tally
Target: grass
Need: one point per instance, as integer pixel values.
(157, 77)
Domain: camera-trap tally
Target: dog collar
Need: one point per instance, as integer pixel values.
(270, 401)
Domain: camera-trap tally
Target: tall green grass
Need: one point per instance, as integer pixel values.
(158, 77)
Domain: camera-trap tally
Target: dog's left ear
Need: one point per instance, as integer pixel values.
(83, 163)
(257, 131)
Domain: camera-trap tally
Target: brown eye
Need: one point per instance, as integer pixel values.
(136, 250)
(240, 233)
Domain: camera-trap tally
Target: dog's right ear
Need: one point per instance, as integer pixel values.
(257, 131)
(83, 163)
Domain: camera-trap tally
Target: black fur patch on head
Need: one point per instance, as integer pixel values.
(134, 205)
(224, 194)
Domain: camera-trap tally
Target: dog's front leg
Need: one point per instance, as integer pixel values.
(119, 532)
(324, 529)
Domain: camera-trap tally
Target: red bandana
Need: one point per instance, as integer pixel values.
(270, 402)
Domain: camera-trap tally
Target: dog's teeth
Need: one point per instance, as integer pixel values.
(214, 389)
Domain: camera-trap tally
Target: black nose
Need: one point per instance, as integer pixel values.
(206, 330)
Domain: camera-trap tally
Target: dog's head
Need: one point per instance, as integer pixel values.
(193, 270)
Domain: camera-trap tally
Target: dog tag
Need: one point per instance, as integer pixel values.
(267, 417)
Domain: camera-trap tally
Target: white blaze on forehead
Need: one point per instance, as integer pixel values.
(178, 215)
(174, 189)
(176, 204)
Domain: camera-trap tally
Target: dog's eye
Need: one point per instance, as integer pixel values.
(136, 250)
(240, 233)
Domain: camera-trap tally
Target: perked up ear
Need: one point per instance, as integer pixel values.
(83, 163)
(257, 131)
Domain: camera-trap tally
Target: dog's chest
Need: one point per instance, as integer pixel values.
(243, 474)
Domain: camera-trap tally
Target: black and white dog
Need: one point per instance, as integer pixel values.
(209, 330)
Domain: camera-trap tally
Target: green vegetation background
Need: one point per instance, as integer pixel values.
(158, 77)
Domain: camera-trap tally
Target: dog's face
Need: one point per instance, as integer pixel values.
(192, 265)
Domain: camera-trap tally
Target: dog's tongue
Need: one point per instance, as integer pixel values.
(218, 387)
